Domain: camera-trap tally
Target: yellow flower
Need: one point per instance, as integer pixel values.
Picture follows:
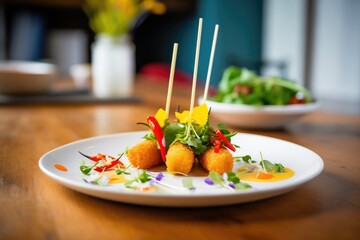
(183, 117)
(154, 6)
(161, 117)
(199, 115)
(116, 17)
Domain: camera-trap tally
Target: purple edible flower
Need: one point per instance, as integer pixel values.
(232, 185)
(208, 181)
(159, 177)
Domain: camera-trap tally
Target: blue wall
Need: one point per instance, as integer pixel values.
(239, 39)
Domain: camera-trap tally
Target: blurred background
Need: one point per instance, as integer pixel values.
(313, 42)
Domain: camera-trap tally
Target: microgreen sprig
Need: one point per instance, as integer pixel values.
(87, 169)
(141, 178)
(265, 165)
(120, 171)
(188, 183)
(98, 179)
(228, 180)
(246, 159)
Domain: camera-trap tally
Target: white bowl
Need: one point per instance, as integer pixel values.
(265, 117)
(25, 77)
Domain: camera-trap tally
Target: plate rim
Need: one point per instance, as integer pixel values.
(242, 108)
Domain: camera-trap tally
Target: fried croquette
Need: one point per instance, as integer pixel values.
(179, 158)
(145, 154)
(220, 162)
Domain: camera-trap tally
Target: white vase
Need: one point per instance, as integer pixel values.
(113, 66)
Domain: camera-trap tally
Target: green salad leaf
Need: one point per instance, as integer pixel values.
(242, 86)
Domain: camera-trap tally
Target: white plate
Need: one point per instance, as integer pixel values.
(306, 164)
(266, 117)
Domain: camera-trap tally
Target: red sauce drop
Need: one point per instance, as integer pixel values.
(60, 167)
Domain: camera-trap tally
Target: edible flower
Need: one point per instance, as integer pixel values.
(183, 117)
(199, 115)
(159, 177)
(161, 117)
(118, 17)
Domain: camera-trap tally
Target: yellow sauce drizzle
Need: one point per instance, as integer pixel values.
(114, 178)
(254, 177)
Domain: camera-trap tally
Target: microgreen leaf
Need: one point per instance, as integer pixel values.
(215, 177)
(276, 167)
(233, 178)
(98, 179)
(279, 168)
(228, 180)
(141, 178)
(120, 171)
(246, 159)
(242, 185)
(144, 177)
(223, 128)
(170, 133)
(87, 169)
(267, 164)
(188, 183)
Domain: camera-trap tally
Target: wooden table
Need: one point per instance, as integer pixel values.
(33, 206)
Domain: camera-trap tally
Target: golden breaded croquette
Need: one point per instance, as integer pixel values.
(145, 154)
(220, 162)
(179, 158)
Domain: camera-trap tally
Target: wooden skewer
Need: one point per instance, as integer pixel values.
(171, 79)
(196, 66)
(210, 63)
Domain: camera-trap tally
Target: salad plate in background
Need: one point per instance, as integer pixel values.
(246, 100)
(264, 117)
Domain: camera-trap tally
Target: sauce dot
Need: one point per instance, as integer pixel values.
(60, 167)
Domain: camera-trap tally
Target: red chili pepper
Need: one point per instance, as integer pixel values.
(108, 166)
(224, 140)
(217, 145)
(98, 157)
(159, 135)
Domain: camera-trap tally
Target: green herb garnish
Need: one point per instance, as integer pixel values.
(120, 171)
(87, 169)
(141, 178)
(188, 183)
(229, 181)
(246, 159)
(276, 167)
